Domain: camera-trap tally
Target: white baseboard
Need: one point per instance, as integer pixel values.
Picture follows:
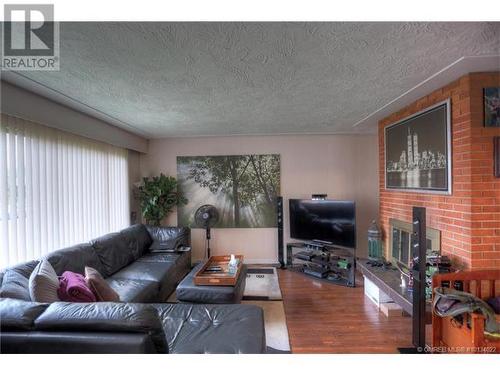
(261, 261)
(247, 261)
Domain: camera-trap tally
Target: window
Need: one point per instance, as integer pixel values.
(56, 190)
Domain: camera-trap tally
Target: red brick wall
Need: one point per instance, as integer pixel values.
(469, 219)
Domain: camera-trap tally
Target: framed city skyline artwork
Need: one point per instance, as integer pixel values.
(418, 151)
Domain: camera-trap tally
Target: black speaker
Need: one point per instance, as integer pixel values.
(279, 222)
(419, 255)
(418, 279)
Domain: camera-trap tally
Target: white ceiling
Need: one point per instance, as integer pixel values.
(193, 79)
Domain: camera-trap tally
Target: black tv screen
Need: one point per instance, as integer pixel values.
(324, 220)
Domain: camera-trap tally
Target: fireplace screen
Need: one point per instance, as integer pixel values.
(400, 241)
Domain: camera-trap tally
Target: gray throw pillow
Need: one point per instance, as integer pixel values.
(43, 283)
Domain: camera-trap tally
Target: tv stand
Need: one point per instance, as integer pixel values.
(317, 245)
(323, 261)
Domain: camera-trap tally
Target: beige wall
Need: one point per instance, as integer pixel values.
(344, 167)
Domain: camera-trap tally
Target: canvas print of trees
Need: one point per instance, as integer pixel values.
(243, 188)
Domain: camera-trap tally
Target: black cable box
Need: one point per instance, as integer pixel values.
(320, 262)
(304, 255)
(316, 272)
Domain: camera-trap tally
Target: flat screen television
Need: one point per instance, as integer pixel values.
(323, 220)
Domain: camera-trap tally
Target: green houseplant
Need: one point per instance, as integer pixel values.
(158, 196)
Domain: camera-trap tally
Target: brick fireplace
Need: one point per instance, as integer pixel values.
(469, 219)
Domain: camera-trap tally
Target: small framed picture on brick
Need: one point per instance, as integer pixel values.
(496, 153)
(492, 107)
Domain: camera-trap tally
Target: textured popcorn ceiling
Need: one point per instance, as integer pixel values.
(189, 79)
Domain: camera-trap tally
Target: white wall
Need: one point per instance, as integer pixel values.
(343, 166)
(18, 102)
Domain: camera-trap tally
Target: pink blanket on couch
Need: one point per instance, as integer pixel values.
(73, 288)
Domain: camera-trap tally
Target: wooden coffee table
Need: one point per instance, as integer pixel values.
(223, 277)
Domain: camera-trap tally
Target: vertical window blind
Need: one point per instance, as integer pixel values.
(56, 189)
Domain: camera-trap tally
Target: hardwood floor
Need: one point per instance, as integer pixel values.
(328, 318)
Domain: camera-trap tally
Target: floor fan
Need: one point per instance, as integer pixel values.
(206, 217)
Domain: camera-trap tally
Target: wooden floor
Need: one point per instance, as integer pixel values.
(328, 318)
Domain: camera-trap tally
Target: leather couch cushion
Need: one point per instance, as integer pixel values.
(187, 291)
(103, 317)
(19, 315)
(134, 290)
(138, 239)
(177, 264)
(15, 285)
(75, 259)
(162, 257)
(169, 245)
(165, 271)
(113, 252)
(25, 269)
(15, 281)
(145, 271)
(198, 329)
(172, 237)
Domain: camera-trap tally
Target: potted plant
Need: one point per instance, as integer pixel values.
(158, 196)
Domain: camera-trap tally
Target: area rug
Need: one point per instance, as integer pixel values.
(275, 324)
(263, 289)
(262, 284)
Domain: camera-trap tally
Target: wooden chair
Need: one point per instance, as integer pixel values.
(447, 335)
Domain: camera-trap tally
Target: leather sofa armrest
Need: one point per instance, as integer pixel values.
(19, 315)
(104, 317)
(177, 236)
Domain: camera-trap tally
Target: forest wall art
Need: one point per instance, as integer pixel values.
(242, 187)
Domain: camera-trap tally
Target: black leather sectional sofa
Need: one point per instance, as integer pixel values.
(142, 322)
